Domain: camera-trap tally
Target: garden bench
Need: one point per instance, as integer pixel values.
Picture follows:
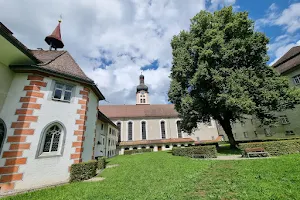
(258, 151)
(199, 156)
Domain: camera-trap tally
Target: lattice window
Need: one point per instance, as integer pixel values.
(296, 79)
(129, 130)
(179, 129)
(52, 138)
(284, 120)
(119, 134)
(144, 137)
(163, 129)
(62, 92)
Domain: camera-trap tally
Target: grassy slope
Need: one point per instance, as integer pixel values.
(163, 176)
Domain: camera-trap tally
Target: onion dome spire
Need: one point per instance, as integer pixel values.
(54, 40)
(142, 85)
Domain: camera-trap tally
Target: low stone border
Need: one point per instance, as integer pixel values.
(21, 191)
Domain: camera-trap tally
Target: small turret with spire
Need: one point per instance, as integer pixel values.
(142, 92)
(54, 40)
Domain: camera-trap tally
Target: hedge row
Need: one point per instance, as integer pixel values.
(196, 152)
(134, 151)
(102, 163)
(266, 140)
(83, 171)
(275, 148)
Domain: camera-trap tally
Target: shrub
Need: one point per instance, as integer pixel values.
(102, 163)
(196, 152)
(83, 171)
(275, 148)
(134, 151)
(266, 140)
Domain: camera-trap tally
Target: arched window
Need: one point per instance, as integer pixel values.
(134, 148)
(141, 100)
(126, 148)
(52, 140)
(163, 129)
(119, 127)
(129, 130)
(143, 147)
(144, 137)
(2, 133)
(179, 129)
(144, 101)
(167, 146)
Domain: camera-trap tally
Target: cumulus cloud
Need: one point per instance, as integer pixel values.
(110, 39)
(289, 20)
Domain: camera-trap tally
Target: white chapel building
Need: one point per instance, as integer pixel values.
(155, 126)
(49, 117)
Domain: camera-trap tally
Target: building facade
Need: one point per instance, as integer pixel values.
(48, 113)
(153, 126)
(287, 125)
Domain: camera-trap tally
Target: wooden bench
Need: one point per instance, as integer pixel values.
(258, 151)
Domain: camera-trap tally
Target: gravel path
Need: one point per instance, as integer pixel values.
(236, 157)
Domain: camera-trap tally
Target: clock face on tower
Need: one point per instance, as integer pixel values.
(142, 92)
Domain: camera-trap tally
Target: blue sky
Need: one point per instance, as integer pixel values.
(113, 41)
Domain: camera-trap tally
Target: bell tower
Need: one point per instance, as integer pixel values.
(142, 97)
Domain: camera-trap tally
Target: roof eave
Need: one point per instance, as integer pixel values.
(35, 68)
(104, 118)
(18, 45)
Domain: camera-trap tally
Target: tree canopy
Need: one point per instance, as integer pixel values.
(220, 70)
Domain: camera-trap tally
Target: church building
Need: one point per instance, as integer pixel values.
(155, 126)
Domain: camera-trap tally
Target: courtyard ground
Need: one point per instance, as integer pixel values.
(159, 175)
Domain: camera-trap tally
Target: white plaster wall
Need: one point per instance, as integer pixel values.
(100, 135)
(90, 127)
(42, 171)
(6, 77)
(112, 137)
(204, 132)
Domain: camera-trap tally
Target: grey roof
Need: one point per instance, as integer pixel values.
(288, 61)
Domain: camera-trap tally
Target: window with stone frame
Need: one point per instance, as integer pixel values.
(289, 133)
(119, 125)
(62, 92)
(163, 129)
(2, 133)
(129, 130)
(179, 133)
(52, 140)
(144, 134)
(284, 119)
(268, 132)
(296, 79)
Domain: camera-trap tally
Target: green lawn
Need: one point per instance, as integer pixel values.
(159, 175)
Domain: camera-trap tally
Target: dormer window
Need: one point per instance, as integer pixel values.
(62, 92)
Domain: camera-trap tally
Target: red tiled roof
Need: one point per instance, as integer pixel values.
(159, 141)
(59, 61)
(134, 111)
(288, 60)
(218, 139)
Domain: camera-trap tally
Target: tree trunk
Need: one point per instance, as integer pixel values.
(225, 123)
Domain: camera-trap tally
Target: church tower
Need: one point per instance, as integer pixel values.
(142, 92)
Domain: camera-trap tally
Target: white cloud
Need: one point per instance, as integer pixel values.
(217, 4)
(289, 20)
(130, 34)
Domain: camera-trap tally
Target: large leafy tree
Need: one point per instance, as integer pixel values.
(220, 70)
